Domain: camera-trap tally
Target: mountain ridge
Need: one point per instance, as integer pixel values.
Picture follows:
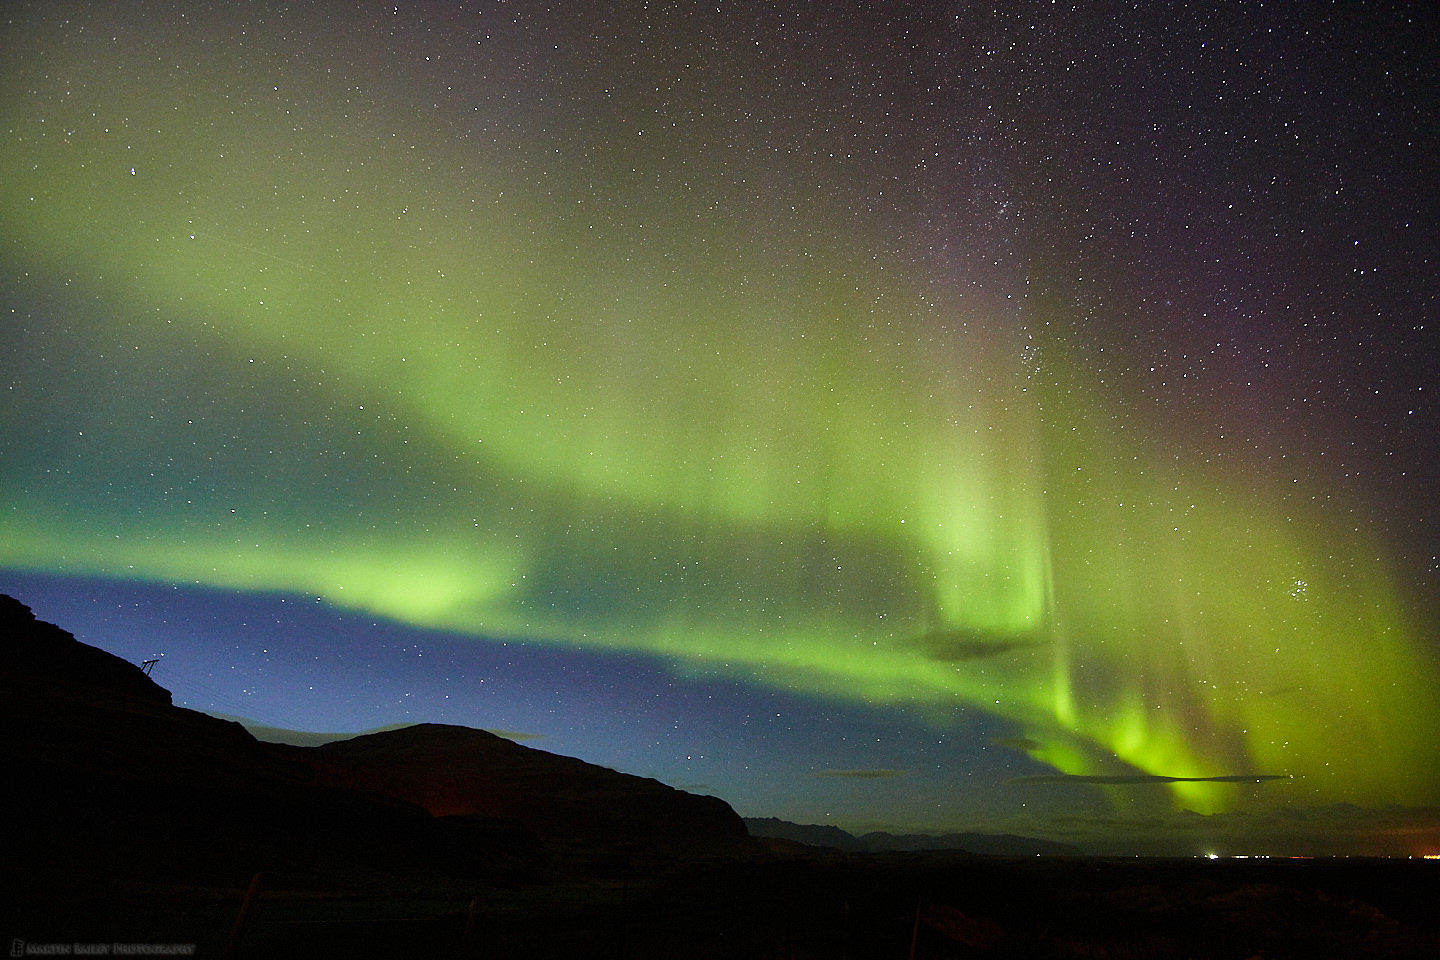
(486, 775)
(831, 837)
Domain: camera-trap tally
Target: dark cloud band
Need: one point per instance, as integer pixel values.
(1125, 780)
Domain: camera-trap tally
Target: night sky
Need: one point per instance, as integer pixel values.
(922, 416)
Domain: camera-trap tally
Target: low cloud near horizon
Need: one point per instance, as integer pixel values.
(1139, 779)
(872, 774)
(1334, 830)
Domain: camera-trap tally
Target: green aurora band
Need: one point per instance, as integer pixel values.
(630, 400)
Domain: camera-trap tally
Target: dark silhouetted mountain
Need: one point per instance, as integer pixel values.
(107, 779)
(53, 658)
(450, 770)
(988, 844)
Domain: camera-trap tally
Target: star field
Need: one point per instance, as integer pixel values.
(1057, 375)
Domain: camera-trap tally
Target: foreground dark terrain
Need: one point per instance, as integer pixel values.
(782, 906)
(136, 822)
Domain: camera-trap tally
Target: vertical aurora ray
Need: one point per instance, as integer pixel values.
(598, 389)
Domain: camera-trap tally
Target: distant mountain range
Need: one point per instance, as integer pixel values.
(988, 844)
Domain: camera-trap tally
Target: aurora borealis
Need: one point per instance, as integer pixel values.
(1054, 374)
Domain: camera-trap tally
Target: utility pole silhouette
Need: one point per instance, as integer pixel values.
(149, 665)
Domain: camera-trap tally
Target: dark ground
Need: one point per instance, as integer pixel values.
(788, 904)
